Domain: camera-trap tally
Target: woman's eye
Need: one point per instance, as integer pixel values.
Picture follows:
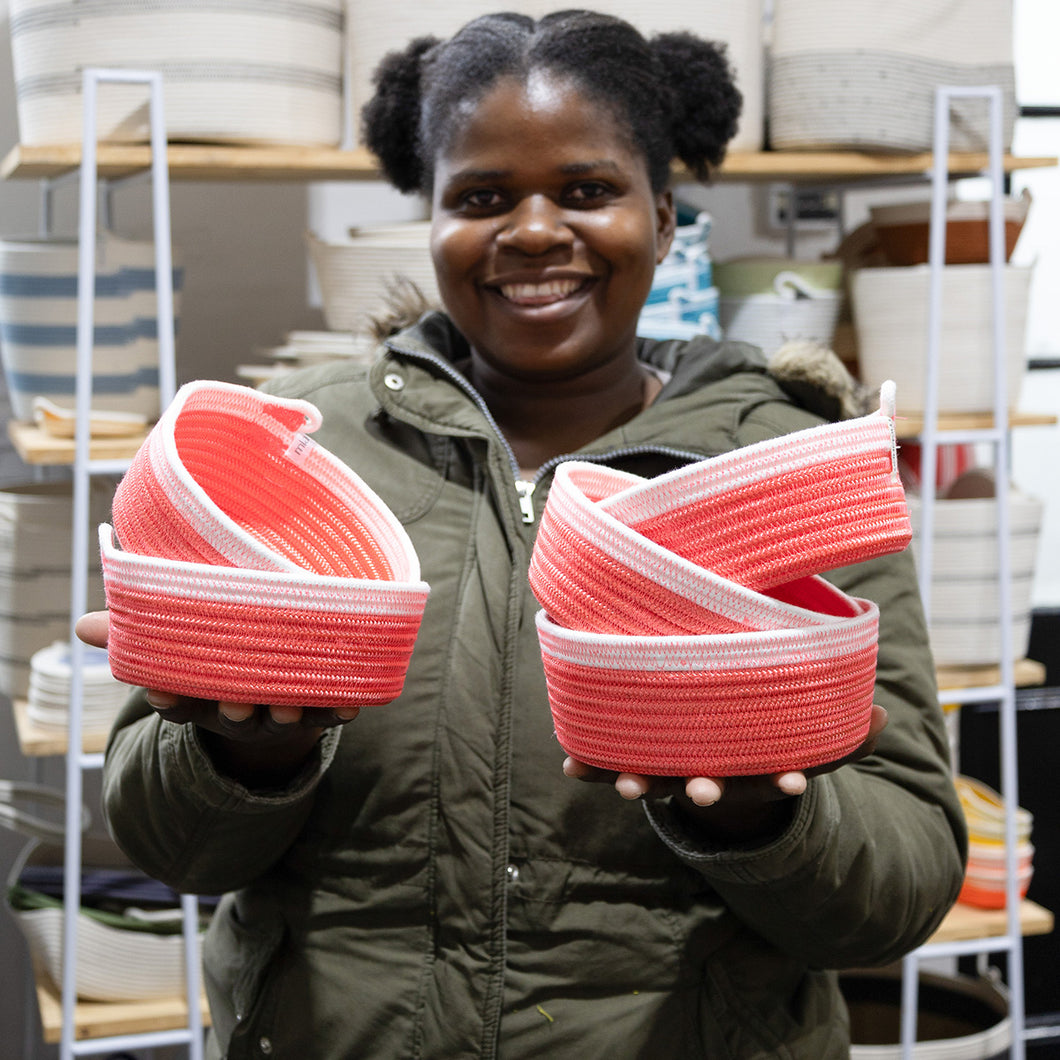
(589, 191)
(480, 199)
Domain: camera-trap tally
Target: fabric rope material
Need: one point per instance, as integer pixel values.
(685, 629)
(247, 563)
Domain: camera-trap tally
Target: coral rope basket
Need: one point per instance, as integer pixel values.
(249, 564)
(685, 627)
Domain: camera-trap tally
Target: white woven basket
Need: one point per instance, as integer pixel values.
(963, 625)
(845, 74)
(376, 27)
(266, 71)
(890, 307)
(356, 276)
(35, 522)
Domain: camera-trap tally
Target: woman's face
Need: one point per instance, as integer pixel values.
(546, 232)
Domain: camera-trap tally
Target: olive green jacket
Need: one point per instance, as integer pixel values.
(432, 886)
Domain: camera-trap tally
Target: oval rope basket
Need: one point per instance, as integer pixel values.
(254, 565)
(685, 628)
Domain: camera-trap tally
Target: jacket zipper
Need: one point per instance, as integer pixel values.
(525, 488)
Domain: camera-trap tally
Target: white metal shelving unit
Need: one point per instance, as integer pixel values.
(997, 436)
(83, 469)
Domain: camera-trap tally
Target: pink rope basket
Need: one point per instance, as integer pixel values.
(253, 565)
(685, 628)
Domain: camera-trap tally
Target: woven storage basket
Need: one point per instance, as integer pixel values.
(846, 74)
(355, 277)
(266, 72)
(35, 521)
(38, 324)
(890, 309)
(376, 27)
(254, 565)
(684, 630)
(121, 956)
(963, 624)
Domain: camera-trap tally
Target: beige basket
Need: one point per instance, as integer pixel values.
(270, 72)
(355, 277)
(963, 625)
(376, 27)
(890, 308)
(125, 958)
(857, 75)
(35, 573)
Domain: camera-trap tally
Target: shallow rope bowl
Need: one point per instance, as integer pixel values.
(247, 563)
(590, 571)
(713, 705)
(229, 475)
(780, 509)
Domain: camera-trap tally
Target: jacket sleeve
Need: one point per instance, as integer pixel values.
(874, 855)
(184, 823)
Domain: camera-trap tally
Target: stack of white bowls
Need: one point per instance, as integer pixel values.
(48, 698)
(38, 324)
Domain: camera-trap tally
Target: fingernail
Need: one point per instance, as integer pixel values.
(629, 788)
(703, 792)
(235, 711)
(792, 783)
(161, 700)
(347, 713)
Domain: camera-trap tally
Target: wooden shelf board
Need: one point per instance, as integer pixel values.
(1027, 673)
(37, 447)
(105, 1019)
(39, 741)
(195, 161)
(965, 922)
(910, 425)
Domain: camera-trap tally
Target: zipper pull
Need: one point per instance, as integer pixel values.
(526, 499)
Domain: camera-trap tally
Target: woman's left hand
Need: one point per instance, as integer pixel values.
(733, 807)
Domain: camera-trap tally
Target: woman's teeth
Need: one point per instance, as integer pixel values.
(539, 293)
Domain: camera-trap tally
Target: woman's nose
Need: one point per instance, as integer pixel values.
(535, 226)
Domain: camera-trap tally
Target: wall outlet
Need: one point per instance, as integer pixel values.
(815, 208)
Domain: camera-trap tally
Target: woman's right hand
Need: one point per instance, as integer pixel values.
(258, 745)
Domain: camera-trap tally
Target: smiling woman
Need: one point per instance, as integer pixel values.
(433, 878)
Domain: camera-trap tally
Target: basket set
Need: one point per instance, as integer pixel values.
(833, 73)
(685, 628)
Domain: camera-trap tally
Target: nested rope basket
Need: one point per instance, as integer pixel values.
(247, 563)
(685, 627)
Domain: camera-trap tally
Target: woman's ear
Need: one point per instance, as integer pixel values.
(666, 224)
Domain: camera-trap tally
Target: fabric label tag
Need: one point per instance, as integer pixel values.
(300, 448)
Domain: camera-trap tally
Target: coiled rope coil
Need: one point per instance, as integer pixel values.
(685, 627)
(247, 563)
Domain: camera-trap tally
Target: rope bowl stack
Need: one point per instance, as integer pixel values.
(247, 563)
(685, 628)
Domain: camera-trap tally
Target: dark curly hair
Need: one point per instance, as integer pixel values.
(674, 92)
